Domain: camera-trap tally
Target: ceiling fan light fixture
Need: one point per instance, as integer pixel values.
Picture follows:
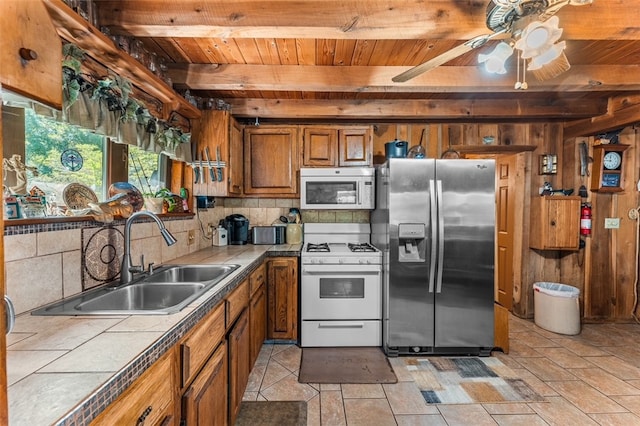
(494, 61)
(547, 56)
(538, 37)
(553, 68)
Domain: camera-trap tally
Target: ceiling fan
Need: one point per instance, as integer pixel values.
(506, 18)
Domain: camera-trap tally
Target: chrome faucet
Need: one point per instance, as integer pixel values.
(127, 269)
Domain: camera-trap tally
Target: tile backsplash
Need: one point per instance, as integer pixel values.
(44, 263)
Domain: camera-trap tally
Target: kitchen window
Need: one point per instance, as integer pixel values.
(48, 144)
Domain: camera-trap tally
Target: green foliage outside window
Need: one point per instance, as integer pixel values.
(46, 139)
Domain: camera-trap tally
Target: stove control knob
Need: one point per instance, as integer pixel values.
(320, 261)
(341, 261)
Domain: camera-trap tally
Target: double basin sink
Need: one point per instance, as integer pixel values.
(166, 291)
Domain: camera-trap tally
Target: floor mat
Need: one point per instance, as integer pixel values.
(272, 413)
(468, 380)
(345, 365)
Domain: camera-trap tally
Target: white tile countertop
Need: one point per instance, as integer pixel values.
(65, 369)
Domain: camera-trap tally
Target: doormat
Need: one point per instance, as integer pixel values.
(345, 365)
(468, 380)
(272, 413)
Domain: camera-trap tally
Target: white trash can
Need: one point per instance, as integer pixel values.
(556, 307)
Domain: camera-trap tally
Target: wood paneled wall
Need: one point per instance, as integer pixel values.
(605, 269)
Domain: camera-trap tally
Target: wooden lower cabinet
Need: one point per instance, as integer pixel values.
(205, 401)
(282, 298)
(239, 367)
(150, 400)
(258, 321)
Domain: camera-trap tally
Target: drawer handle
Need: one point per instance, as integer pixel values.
(144, 415)
(10, 313)
(342, 325)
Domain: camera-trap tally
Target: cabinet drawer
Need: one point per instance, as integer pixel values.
(341, 333)
(196, 348)
(257, 279)
(237, 301)
(148, 401)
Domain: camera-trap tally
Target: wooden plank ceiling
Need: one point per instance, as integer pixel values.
(334, 59)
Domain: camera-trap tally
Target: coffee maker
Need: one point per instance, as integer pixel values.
(237, 227)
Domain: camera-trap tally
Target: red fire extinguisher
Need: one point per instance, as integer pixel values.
(585, 219)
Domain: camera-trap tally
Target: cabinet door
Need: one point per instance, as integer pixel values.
(235, 164)
(258, 320)
(555, 223)
(196, 347)
(320, 147)
(355, 146)
(205, 401)
(282, 298)
(213, 133)
(30, 52)
(271, 161)
(150, 400)
(239, 367)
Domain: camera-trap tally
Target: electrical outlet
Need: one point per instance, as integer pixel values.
(210, 228)
(191, 237)
(611, 222)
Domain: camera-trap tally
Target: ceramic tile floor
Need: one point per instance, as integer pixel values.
(589, 379)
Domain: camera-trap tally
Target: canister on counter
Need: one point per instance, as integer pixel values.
(294, 233)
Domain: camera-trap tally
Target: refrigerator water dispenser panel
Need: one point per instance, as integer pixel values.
(412, 245)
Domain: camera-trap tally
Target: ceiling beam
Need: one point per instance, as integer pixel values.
(372, 79)
(434, 109)
(348, 19)
(621, 111)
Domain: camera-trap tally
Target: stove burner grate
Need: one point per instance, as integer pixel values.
(361, 247)
(322, 247)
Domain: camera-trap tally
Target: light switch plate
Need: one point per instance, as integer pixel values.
(611, 222)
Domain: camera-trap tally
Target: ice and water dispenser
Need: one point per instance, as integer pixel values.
(412, 242)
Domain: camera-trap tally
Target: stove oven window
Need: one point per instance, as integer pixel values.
(331, 192)
(342, 288)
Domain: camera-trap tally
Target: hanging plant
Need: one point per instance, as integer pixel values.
(105, 92)
(72, 57)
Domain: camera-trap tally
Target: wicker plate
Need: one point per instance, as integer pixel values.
(78, 196)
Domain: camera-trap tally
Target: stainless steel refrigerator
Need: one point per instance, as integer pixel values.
(434, 222)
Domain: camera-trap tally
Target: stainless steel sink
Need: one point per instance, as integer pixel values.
(166, 291)
(142, 297)
(190, 273)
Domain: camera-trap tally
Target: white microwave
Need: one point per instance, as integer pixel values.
(330, 188)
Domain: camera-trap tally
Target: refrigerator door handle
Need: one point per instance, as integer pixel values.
(434, 236)
(440, 236)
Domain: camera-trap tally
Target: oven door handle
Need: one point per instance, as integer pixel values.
(336, 324)
(351, 271)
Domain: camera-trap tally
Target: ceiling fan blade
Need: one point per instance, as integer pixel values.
(447, 56)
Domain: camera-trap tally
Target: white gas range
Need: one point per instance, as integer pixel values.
(341, 286)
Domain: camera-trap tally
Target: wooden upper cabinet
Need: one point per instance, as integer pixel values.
(355, 146)
(30, 52)
(337, 146)
(320, 147)
(271, 161)
(555, 223)
(219, 132)
(236, 158)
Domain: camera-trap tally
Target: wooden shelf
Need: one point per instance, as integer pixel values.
(492, 149)
(73, 28)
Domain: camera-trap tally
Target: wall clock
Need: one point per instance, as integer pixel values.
(71, 160)
(608, 163)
